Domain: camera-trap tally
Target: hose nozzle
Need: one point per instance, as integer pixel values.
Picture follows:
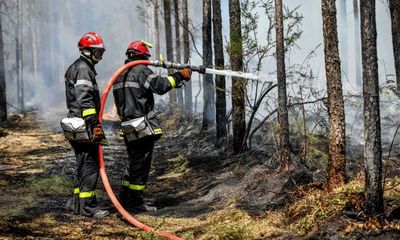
(165, 64)
(200, 69)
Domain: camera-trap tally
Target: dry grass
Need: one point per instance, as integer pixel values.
(309, 207)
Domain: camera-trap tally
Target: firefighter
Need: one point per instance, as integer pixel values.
(133, 94)
(83, 101)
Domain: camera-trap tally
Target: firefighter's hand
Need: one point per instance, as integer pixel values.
(186, 73)
(98, 133)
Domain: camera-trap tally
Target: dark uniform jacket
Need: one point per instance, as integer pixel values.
(133, 90)
(83, 97)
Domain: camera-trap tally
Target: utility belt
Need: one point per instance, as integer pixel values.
(148, 125)
(76, 129)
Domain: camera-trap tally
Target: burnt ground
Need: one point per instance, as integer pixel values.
(201, 191)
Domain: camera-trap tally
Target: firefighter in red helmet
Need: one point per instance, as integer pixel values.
(83, 101)
(133, 94)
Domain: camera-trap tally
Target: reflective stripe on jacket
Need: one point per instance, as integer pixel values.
(133, 91)
(82, 92)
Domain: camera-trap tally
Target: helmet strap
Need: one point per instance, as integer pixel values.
(88, 55)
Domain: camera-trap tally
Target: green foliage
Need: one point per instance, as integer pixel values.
(29, 196)
(14, 206)
(256, 50)
(317, 206)
(151, 235)
(147, 235)
(293, 31)
(53, 185)
(316, 154)
(228, 230)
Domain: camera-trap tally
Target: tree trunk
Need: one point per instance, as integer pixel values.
(170, 50)
(357, 46)
(55, 45)
(186, 56)
(238, 84)
(395, 17)
(283, 119)
(220, 101)
(178, 48)
(343, 38)
(32, 27)
(372, 127)
(208, 84)
(156, 29)
(20, 84)
(337, 142)
(3, 98)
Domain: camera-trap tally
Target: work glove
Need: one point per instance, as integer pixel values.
(181, 76)
(186, 73)
(98, 134)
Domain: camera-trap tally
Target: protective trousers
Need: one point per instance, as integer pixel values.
(139, 156)
(87, 172)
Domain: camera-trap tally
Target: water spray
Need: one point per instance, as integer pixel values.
(203, 70)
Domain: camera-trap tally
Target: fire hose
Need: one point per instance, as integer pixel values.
(102, 169)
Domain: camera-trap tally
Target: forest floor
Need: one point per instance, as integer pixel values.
(202, 192)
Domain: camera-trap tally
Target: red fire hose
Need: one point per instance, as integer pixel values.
(103, 173)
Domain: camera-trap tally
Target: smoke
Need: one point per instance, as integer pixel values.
(58, 27)
(59, 24)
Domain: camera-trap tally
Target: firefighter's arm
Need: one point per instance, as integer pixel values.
(84, 91)
(161, 85)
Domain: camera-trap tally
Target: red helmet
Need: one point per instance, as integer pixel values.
(137, 48)
(90, 40)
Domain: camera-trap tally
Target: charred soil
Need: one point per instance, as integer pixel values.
(201, 191)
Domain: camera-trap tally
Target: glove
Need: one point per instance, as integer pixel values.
(92, 120)
(98, 133)
(186, 73)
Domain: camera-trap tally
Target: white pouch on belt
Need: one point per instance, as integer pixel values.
(141, 127)
(75, 129)
(136, 128)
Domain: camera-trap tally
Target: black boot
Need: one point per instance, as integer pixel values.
(137, 203)
(124, 196)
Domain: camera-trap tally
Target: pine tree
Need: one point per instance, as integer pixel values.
(343, 39)
(208, 84)
(169, 44)
(394, 7)
(186, 57)
(177, 5)
(284, 144)
(238, 84)
(357, 47)
(220, 101)
(372, 127)
(156, 28)
(337, 137)
(3, 98)
(18, 55)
